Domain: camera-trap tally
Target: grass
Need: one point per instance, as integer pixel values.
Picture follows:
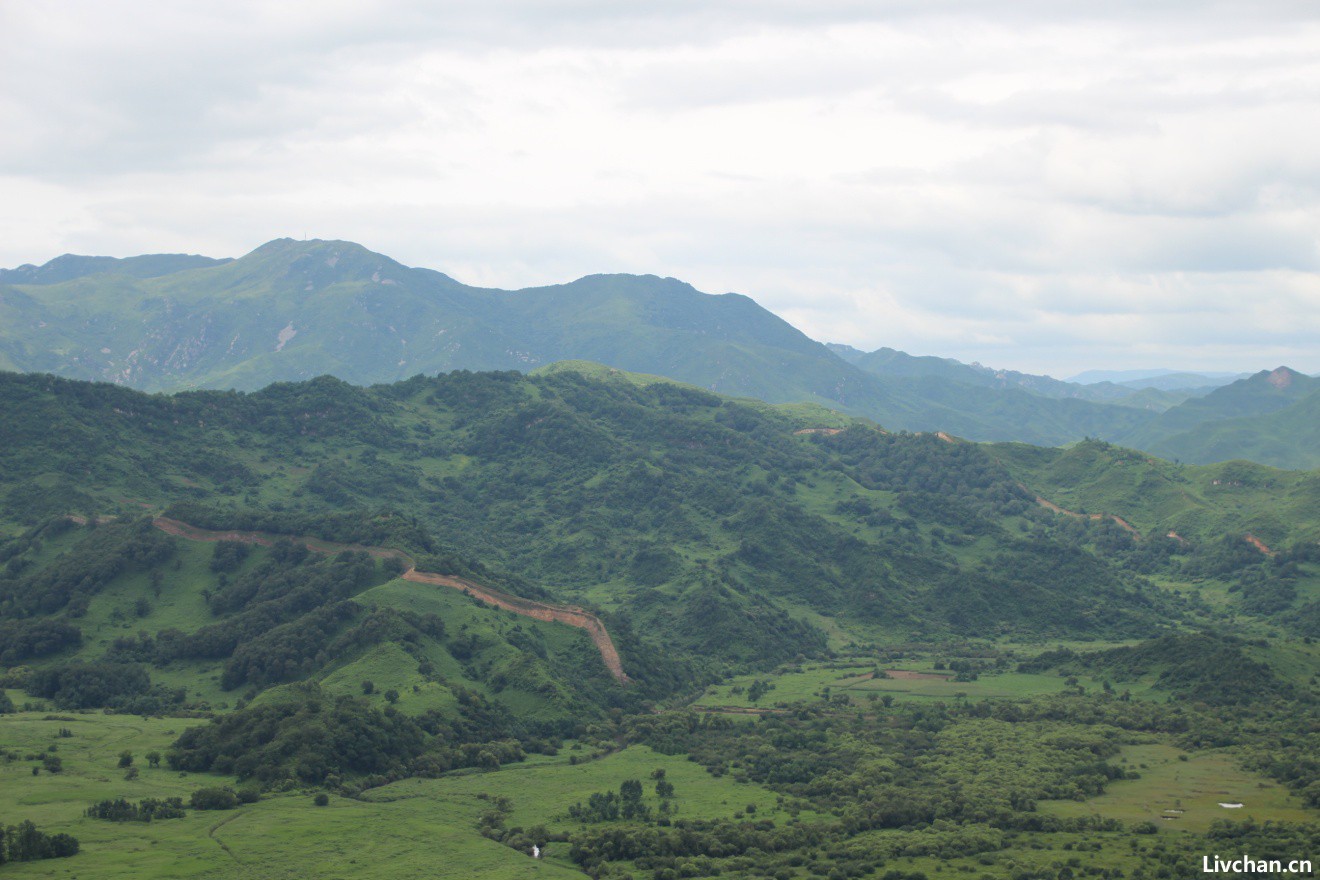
(413, 828)
(1196, 786)
(807, 683)
(542, 793)
(180, 603)
(282, 837)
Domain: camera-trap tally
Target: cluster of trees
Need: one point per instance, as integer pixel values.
(69, 582)
(27, 639)
(608, 806)
(123, 686)
(1204, 667)
(24, 842)
(146, 810)
(306, 737)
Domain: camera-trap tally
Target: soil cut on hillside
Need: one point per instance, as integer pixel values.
(544, 611)
(1118, 520)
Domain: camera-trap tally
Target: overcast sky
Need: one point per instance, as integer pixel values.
(1048, 186)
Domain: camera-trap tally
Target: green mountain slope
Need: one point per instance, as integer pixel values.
(294, 310)
(1270, 417)
(1198, 502)
(945, 674)
(720, 528)
(1285, 438)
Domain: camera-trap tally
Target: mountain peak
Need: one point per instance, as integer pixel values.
(321, 262)
(1282, 377)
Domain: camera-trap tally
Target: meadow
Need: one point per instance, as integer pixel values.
(411, 828)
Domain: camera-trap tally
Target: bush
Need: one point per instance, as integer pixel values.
(322, 799)
(213, 799)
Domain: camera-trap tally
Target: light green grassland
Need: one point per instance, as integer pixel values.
(1196, 786)
(855, 680)
(180, 604)
(542, 793)
(413, 828)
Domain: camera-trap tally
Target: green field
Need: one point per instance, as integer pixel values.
(917, 679)
(1184, 795)
(412, 828)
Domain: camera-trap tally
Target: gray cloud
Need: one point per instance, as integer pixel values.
(1043, 185)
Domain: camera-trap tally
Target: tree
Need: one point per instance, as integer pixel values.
(213, 799)
(368, 687)
(630, 800)
(125, 758)
(153, 758)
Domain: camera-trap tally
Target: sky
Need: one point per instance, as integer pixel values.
(1042, 185)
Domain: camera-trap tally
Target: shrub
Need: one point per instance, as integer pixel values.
(213, 799)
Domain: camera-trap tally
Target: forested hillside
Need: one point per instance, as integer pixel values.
(946, 643)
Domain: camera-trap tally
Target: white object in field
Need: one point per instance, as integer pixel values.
(536, 851)
(1231, 806)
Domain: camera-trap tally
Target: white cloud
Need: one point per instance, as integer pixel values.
(1040, 185)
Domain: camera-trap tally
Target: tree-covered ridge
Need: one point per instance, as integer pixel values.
(696, 518)
(1197, 503)
(668, 505)
(830, 632)
(267, 618)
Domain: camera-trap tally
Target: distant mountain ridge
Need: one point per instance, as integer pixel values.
(891, 362)
(1271, 417)
(70, 266)
(1166, 380)
(291, 310)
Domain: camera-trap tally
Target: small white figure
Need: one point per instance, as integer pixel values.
(536, 851)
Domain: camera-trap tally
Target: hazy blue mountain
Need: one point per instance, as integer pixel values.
(889, 362)
(1164, 380)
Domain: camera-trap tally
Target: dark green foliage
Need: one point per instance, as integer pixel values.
(229, 555)
(75, 577)
(25, 843)
(713, 516)
(84, 686)
(289, 651)
(22, 640)
(306, 737)
(609, 807)
(146, 810)
(1206, 667)
(213, 799)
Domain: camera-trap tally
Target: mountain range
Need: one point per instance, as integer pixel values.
(292, 310)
